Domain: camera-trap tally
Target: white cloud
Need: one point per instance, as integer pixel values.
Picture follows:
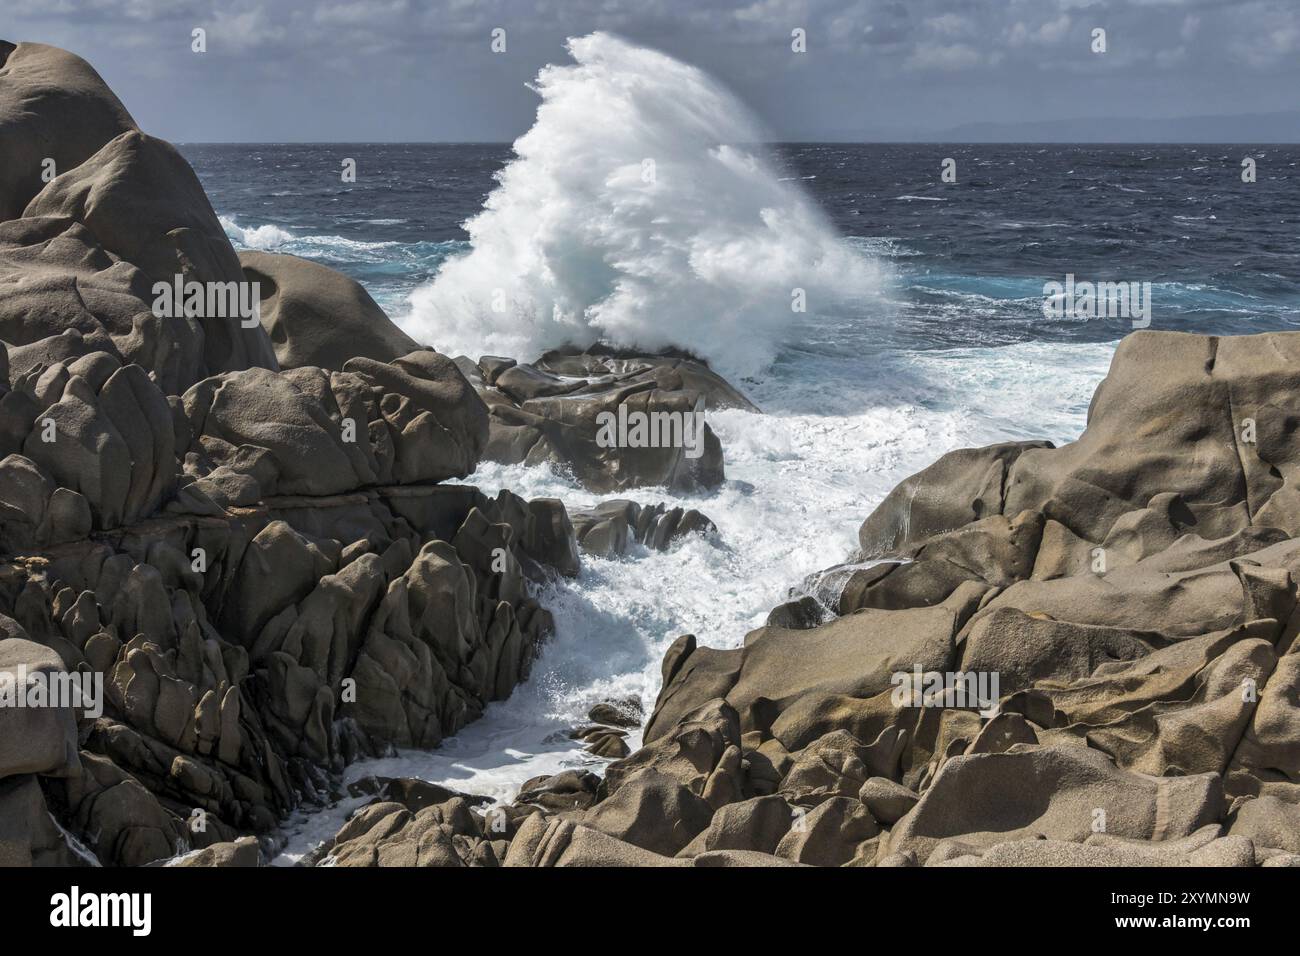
(946, 57)
(1053, 31)
(950, 24)
(240, 32)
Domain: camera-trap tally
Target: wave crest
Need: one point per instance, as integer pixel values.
(638, 211)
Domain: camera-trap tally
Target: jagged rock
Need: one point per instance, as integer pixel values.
(389, 834)
(695, 754)
(262, 565)
(1178, 710)
(411, 793)
(1026, 650)
(311, 432)
(801, 614)
(787, 679)
(550, 537)
(553, 841)
(1134, 592)
(258, 561)
(962, 487)
(692, 676)
(829, 835)
(108, 437)
(758, 824)
(1267, 760)
(123, 823)
(604, 742)
(611, 526)
(316, 316)
(539, 416)
(838, 764)
(653, 811)
(599, 361)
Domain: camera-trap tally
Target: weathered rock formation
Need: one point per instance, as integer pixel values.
(1135, 595)
(551, 412)
(608, 529)
(250, 534)
(262, 565)
(316, 316)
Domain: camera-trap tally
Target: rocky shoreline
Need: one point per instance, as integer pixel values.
(256, 536)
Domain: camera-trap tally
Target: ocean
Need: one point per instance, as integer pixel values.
(924, 332)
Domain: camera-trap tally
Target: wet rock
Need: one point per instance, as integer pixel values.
(259, 562)
(29, 835)
(539, 415)
(568, 790)
(617, 713)
(603, 741)
(608, 529)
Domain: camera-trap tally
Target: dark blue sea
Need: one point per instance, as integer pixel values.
(1223, 255)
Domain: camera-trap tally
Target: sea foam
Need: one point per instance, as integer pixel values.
(639, 210)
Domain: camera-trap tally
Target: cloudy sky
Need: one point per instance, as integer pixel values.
(417, 70)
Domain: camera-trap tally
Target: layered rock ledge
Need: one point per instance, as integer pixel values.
(1134, 593)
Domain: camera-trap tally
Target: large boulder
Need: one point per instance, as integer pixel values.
(585, 420)
(107, 436)
(144, 204)
(53, 106)
(317, 316)
(38, 734)
(63, 296)
(1060, 793)
(309, 431)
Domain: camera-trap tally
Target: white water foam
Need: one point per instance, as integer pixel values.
(639, 211)
(265, 238)
(272, 238)
(801, 478)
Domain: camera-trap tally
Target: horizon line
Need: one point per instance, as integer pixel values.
(774, 142)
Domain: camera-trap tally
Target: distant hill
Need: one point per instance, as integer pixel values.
(1282, 127)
